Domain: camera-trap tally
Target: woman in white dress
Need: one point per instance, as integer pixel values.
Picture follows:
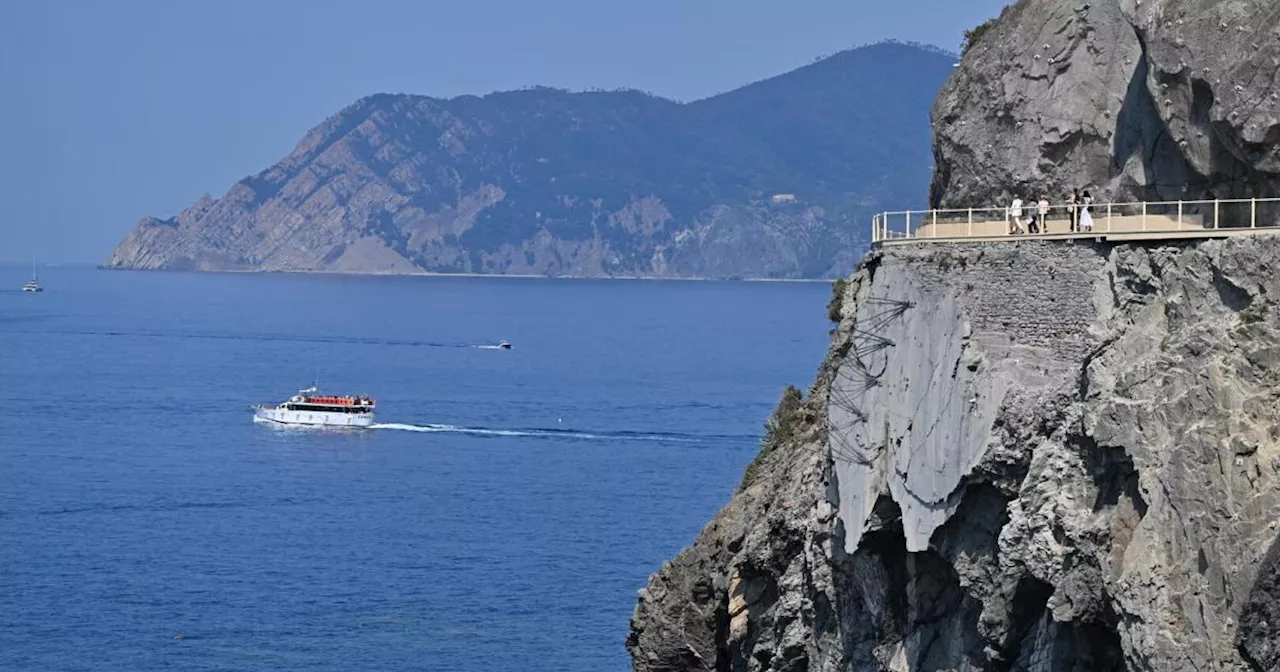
(1086, 213)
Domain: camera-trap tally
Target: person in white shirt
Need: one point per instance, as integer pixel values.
(1042, 214)
(1015, 216)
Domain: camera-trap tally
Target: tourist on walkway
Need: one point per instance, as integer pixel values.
(1042, 214)
(1073, 201)
(1015, 216)
(1086, 217)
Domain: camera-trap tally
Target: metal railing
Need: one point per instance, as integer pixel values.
(1060, 220)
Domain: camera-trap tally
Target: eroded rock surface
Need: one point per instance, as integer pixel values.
(1017, 456)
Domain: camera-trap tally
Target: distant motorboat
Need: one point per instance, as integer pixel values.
(504, 345)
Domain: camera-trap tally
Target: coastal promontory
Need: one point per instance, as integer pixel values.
(777, 179)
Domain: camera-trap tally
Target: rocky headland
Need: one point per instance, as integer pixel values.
(777, 179)
(1017, 456)
(1031, 455)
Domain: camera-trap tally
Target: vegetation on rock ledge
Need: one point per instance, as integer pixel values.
(973, 35)
(780, 425)
(836, 305)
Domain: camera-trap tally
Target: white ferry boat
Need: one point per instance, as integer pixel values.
(307, 408)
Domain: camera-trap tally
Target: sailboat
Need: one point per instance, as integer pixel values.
(34, 284)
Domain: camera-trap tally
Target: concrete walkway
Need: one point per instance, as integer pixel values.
(1099, 236)
(1174, 220)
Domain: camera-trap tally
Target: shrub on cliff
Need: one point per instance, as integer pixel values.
(776, 430)
(836, 304)
(974, 34)
(783, 418)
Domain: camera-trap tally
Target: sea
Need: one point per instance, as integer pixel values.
(501, 515)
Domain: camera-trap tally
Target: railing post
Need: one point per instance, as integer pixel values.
(1108, 218)
(1179, 215)
(1144, 215)
(1215, 213)
(935, 223)
(1253, 213)
(969, 230)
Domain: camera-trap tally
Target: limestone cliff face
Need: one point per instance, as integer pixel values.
(1135, 99)
(1017, 456)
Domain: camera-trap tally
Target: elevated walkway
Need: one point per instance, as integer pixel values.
(1111, 221)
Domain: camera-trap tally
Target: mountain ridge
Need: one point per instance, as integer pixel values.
(775, 179)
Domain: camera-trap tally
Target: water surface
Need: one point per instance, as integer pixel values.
(503, 522)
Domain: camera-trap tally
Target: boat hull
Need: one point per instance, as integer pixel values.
(282, 416)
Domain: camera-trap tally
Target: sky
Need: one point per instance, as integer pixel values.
(112, 110)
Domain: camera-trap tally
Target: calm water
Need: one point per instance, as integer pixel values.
(138, 501)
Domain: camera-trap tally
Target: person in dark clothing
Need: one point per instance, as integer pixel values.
(1073, 202)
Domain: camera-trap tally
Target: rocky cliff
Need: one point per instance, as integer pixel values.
(1033, 455)
(776, 179)
(1135, 99)
(1017, 456)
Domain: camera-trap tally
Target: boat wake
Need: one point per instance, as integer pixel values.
(544, 433)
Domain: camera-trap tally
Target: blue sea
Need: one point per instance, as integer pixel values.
(501, 518)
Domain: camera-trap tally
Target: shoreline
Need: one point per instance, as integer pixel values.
(432, 274)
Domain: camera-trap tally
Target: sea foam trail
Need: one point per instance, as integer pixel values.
(564, 433)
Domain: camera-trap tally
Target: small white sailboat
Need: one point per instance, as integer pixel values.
(33, 285)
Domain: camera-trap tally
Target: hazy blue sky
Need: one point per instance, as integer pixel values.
(116, 109)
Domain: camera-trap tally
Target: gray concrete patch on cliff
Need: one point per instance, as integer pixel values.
(947, 334)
